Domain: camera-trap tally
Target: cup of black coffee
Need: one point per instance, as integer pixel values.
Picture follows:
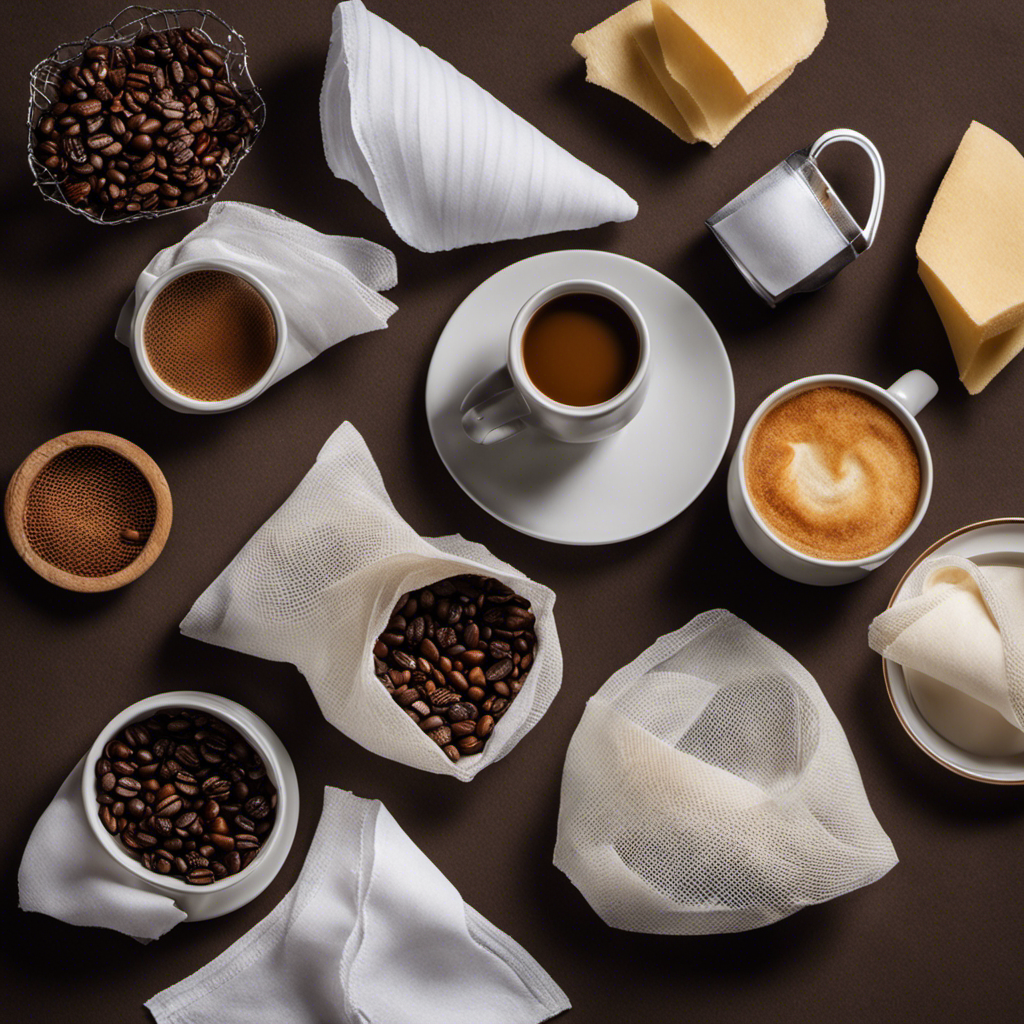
(577, 368)
(206, 336)
(191, 792)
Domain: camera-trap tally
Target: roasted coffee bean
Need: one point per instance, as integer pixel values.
(174, 813)
(148, 100)
(453, 654)
(200, 876)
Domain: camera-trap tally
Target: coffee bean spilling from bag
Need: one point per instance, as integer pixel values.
(151, 125)
(454, 656)
(186, 795)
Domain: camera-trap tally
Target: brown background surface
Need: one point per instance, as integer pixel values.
(939, 938)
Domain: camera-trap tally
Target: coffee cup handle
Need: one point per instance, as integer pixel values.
(493, 409)
(123, 330)
(914, 390)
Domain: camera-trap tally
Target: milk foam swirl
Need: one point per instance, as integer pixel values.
(833, 473)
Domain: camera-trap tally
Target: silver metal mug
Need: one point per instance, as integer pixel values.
(789, 231)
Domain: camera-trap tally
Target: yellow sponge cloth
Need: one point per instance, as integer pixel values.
(700, 66)
(971, 255)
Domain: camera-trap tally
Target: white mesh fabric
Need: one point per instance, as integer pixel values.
(317, 584)
(710, 788)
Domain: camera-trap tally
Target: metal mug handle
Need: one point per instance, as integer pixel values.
(878, 194)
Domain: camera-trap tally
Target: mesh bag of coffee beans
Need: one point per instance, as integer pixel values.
(431, 652)
(710, 788)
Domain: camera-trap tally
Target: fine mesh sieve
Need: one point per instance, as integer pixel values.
(88, 511)
(210, 335)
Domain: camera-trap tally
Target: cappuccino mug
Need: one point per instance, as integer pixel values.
(508, 401)
(248, 329)
(902, 401)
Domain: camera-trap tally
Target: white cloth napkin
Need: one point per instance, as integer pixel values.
(327, 284)
(66, 874)
(963, 625)
(318, 582)
(448, 163)
(710, 788)
(372, 933)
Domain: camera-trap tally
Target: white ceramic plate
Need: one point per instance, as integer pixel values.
(624, 486)
(994, 542)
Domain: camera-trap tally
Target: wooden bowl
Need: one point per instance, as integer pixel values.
(88, 511)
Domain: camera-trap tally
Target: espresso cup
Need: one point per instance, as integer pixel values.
(507, 401)
(132, 331)
(904, 400)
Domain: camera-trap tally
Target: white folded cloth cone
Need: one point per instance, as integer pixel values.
(317, 584)
(327, 284)
(448, 163)
(66, 874)
(371, 933)
(710, 788)
(963, 625)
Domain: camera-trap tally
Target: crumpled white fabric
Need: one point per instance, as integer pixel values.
(317, 584)
(372, 933)
(66, 874)
(710, 788)
(448, 163)
(963, 625)
(327, 284)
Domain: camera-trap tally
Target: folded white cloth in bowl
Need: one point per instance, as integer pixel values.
(372, 933)
(448, 163)
(327, 284)
(709, 787)
(963, 625)
(66, 874)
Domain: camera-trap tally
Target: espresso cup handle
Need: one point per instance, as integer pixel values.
(493, 409)
(914, 390)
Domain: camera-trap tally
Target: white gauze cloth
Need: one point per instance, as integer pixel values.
(963, 625)
(710, 788)
(317, 584)
(447, 163)
(66, 874)
(372, 933)
(327, 284)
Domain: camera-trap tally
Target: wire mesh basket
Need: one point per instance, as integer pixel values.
(123, 30)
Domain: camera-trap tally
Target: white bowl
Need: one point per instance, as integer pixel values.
(993, 542)
(201, 902)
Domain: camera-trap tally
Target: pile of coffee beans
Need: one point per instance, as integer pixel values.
(186, 795)
(156, 124)
(454, 656)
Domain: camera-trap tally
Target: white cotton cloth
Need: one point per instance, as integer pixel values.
(448, 163)
(710, 788)
(317, 584)
(327, 284)
(963, 625)
(66, 874)
(372, 933)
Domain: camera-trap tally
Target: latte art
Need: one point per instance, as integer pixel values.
(833, 474)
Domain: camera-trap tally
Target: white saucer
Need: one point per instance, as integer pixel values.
(610, 491)
(994, 542)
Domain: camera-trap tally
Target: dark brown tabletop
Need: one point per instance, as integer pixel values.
(937, 939)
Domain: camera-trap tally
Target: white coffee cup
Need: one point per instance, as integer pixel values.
(904, 399)
(131, 331)
(507, 401)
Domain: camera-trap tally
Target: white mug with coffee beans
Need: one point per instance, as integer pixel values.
(832, 475)
(206, 336)
(576, 368)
